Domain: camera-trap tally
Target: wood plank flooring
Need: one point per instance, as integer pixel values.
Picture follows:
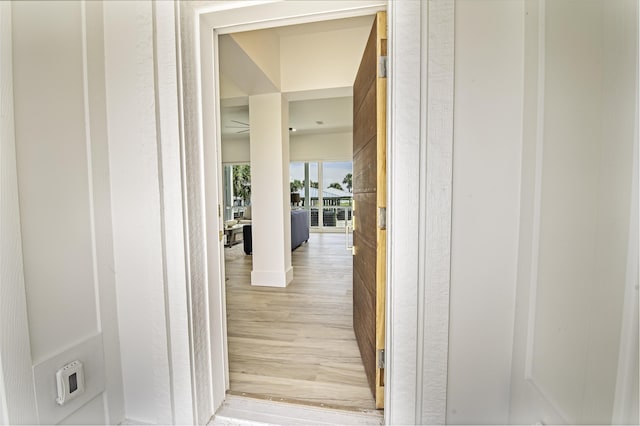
(297, 343)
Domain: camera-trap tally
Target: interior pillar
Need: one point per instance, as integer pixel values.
(271, 222)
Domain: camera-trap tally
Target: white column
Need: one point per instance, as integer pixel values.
(271, 223)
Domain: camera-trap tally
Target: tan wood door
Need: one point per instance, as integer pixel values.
(369, 205)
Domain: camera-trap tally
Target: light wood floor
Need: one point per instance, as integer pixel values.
(297, 343)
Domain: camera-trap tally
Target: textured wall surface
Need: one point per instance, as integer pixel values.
(196, 230)
(136, 207)
(17, 399)
(418, 266)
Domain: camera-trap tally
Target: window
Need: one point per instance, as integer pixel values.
(329, 185)
(237, 190)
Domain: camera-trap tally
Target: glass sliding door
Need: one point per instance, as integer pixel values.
(338, 199)
(303, 180)
(237, 190)
(227, 176)
(324, 189)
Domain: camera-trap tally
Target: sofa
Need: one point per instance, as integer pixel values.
(299, 231)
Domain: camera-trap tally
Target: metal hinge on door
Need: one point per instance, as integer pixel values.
(381, 358)
(382, 217)
(382, 67)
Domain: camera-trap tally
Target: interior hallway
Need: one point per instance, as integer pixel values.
(297, 343)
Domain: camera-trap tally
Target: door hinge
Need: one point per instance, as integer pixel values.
(382, 67)
(219, 211)
(382, 217)
(381, 358)
(221, 235)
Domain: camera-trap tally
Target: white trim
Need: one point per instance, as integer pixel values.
(260, 412)
(272, 278)
(207, 307)
(223, 272)
(211, 148)
(435, 224)
(172, 217)
(418, 268)
(193, 196)
(422, 243)
(17, 395)
(234, 16)
(404, 118)
(185, 205)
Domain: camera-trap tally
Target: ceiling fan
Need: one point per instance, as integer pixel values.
(244, 127)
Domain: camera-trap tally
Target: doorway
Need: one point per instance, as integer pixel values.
(296, 343)
(407, 305)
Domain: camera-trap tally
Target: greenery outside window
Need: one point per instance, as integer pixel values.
(329, 185)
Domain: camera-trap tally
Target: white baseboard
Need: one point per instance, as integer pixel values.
(272, 278)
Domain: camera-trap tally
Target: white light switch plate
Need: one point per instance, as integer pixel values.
(90, 353)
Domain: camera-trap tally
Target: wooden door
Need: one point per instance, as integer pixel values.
(369, 205)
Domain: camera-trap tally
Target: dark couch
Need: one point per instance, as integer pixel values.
(328, 217)
(299, 231)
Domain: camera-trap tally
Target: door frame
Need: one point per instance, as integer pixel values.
(419, 188)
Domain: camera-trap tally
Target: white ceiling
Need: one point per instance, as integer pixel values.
(331, 106)
(324, 26)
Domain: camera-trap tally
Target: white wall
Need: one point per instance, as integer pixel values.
(486, 177)
(612, 164)
(570, 228)
(302, 147)
(242, 71)
(64, 192)
(53, 174)
(322, 147)
(263, 47)
(17, 398)
(235, 150)
(565, 369)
